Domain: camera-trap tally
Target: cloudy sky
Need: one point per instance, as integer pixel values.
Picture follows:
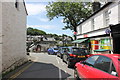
(37, 19)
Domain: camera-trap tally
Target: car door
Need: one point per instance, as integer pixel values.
(102, 67)
(86, 69)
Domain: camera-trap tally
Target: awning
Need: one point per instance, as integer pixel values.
(79, 41)
(101, 50)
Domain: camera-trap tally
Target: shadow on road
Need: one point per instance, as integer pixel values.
(41, 71)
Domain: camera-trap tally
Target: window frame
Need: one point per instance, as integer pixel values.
(17, 4)
(107, 18)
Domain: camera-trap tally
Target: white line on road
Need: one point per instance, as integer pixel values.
(60, 76)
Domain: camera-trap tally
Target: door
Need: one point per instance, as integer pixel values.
(87, 70)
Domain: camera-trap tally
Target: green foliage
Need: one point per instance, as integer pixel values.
(34, 32)
(31, 31)
(73, 13)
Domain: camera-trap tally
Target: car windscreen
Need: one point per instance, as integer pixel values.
(78, 51)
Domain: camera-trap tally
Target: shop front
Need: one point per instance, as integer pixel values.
(99, 39)
(101, 43)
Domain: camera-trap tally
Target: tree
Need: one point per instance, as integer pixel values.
(31, 31)
(73, 13)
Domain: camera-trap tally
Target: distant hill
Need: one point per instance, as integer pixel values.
(35, 32)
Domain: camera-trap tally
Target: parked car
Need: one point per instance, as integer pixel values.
(99, 66)
(74, 55)
(61, 51)
(52, 51)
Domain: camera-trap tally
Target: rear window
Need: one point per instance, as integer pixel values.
(78, 51)
(55, 48)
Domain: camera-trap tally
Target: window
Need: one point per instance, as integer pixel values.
(106, 18)
(55, 48)
(113, 71)
(16, 4)
(93, 24)
(103, 63)
(91, 60)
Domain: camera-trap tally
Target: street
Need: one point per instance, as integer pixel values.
(47, 66)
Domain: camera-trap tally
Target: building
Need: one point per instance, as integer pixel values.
(96, 29)
(12, 34)
(42, 41)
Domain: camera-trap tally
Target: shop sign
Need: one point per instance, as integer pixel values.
(75, 33)
(107, 31)
(86, 35)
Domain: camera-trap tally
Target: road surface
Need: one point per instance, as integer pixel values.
(47, 66)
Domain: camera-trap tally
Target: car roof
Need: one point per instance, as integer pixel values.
(115, 56)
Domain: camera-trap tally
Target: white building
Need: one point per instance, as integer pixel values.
(12, 34)
(97, 27)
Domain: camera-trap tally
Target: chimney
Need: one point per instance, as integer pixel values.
(96, 6)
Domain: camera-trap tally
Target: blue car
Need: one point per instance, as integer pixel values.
(52, 51)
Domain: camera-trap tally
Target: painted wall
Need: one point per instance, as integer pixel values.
(119, 12)
(114, 14)
(14, 35)
(99, 19)
(0, 40)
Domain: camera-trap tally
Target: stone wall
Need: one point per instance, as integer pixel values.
(14, 35)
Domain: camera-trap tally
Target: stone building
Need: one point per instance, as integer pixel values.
(43, 41)
(12, 34)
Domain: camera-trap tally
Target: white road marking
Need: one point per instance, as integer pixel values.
(60, 76)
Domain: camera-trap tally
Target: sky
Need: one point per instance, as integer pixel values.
(37, 19)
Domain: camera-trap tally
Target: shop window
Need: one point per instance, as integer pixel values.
(105, 44)
(94, 44)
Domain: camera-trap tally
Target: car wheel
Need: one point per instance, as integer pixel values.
(69, 64)
(76, 77)
(61, 56)
(57, 55)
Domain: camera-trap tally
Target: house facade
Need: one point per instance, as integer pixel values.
(0, 40)
(97, 27)
(13, 34)
(41, 42)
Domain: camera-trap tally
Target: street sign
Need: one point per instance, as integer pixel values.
(107, 31)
